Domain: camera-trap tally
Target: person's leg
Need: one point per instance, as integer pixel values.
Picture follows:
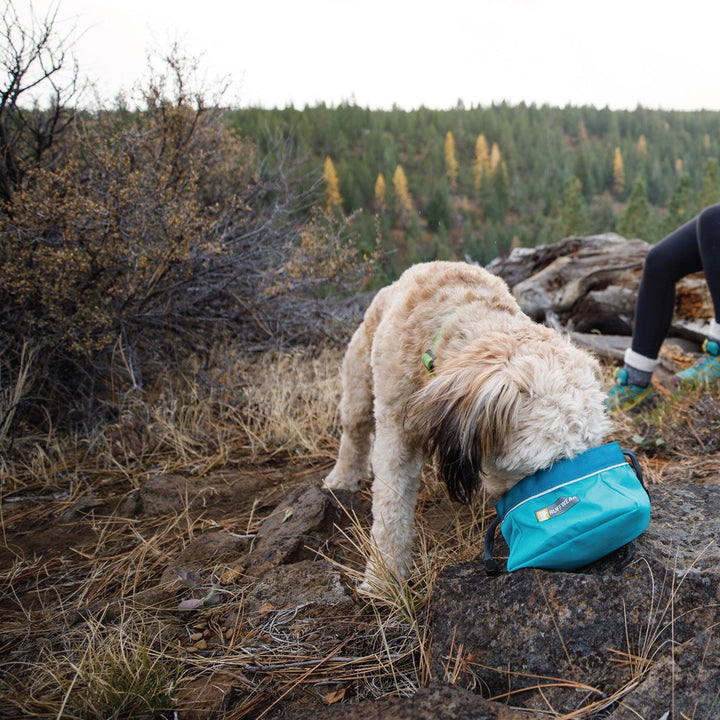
(674, 257)
(706, 371)
(708, 233)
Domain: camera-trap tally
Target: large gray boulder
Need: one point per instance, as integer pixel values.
(537, 638)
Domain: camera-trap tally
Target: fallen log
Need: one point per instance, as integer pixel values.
(589, 284)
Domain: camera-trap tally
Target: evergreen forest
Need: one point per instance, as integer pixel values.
(474, 183)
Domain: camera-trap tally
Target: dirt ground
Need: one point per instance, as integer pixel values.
(172, 566)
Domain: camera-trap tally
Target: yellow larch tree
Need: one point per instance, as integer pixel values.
(495, 158)
(641, 148)
(451, 163)
(380, 194)
(618, 172)
(333, 198)
(482, 160)
(403, 201)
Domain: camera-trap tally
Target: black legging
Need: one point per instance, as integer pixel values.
(692, 247)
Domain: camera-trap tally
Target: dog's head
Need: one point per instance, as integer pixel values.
(507, 406)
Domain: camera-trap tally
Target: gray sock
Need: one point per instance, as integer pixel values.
(641, 378)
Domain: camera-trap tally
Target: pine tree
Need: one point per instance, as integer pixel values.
(451, 163)
(573, 216)
(439, 210)
(441, 247)
(582, 172)
(681, 206)
(618, 173)
(642, 157)
(380, 194)
(333, 199)
(710, 193)
(403, 202)
(635, 220)
(501, 191)
(482, 161)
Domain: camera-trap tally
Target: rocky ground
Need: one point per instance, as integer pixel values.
(230, 592)
(249, 576)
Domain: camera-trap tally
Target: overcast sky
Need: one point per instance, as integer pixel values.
(378, 53)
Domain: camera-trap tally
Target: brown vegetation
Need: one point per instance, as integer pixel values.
(133, 240)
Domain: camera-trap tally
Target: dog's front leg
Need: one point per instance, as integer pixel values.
(397, 467)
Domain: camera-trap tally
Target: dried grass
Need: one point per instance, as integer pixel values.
(81, 622)
(291, 407)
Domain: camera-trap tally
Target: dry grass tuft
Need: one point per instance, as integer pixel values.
(125, 669)
(291, 405)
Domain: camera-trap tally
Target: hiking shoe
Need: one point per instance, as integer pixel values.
(623, 396)
(705, 372)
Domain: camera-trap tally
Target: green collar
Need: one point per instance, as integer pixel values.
(429, 356)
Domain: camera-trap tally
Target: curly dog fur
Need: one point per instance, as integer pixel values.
(505, 398)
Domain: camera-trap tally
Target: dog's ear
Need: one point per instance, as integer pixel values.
(461, 417)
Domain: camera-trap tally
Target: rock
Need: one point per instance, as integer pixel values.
(171, 494)
(310, 585)
(435, 702)
(296, 529)
(83, 505)
(685, 683)
(129, 506)
(684, 533)
(211, 545)
(189, 567)
(533, 627)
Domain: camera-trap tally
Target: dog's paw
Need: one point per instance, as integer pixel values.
(338, 481)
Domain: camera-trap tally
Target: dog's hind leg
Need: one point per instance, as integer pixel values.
(356, 416)
(397, 467)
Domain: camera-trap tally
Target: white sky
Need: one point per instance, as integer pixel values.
(621, 53)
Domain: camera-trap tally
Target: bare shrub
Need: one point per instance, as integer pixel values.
(33, 60)
(147, 235)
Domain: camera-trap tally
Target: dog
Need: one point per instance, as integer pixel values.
(445, 365)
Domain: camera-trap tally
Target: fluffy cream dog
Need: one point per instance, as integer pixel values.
(496, 397)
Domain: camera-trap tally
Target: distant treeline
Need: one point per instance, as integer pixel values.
(474, 182)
